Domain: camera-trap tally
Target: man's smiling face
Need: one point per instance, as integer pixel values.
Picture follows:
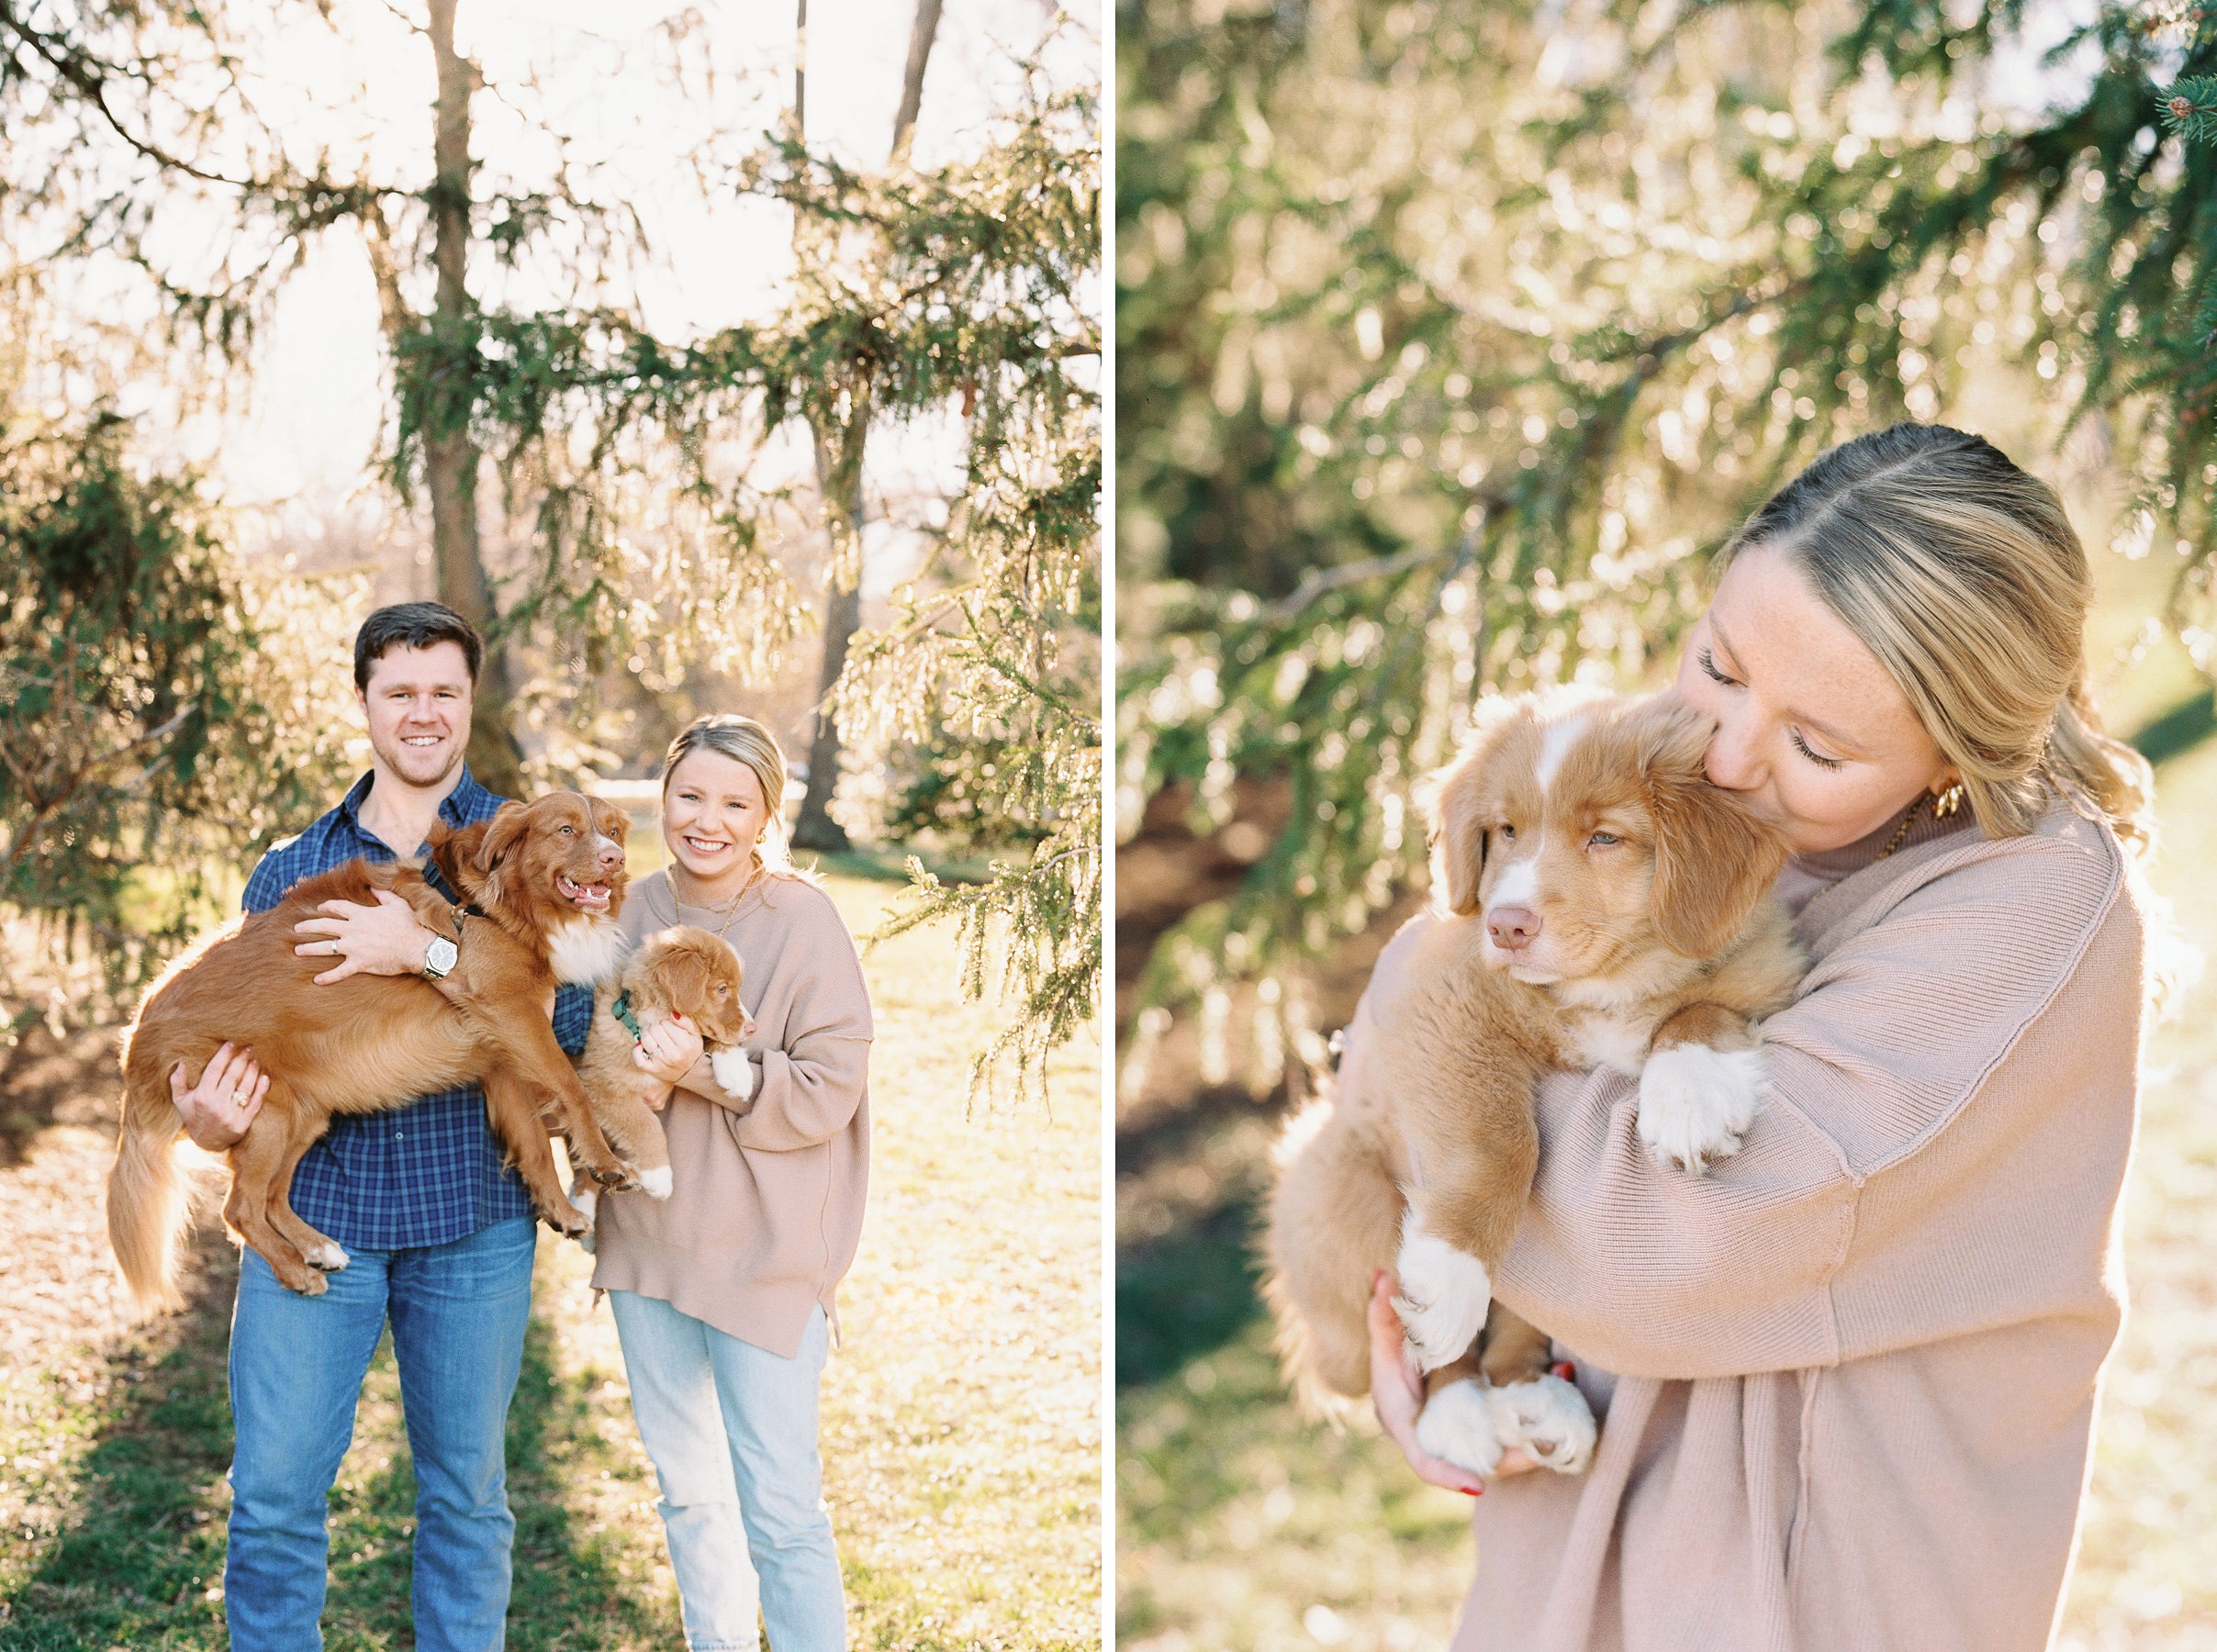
(417, 703)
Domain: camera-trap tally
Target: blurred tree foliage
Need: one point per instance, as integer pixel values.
(648, 465)
(160, 708)
(1452, 338)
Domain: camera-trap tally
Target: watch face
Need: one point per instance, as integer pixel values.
(442, 955)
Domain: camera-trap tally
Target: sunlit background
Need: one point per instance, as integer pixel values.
(1452, 341)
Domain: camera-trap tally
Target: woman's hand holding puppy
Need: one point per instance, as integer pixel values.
(1398, 1393)
(669, 1049)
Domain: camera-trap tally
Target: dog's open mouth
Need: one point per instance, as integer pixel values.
(587, 896)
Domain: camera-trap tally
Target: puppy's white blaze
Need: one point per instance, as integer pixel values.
(1457, 1425)
(1518, 884)
(655, 1183)
(733, 1072)
(1555, 745)
(1695, 1103)
(1444, 1295)
(585, 950)
(1548, 1417)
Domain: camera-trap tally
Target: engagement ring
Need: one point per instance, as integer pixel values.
(240, 1098)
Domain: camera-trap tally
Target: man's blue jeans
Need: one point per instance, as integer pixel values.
(458, 1313)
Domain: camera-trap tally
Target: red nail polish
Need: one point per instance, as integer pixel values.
(1565, 1369)
(1468, 1492)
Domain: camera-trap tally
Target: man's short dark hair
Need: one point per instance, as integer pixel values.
(414, 625)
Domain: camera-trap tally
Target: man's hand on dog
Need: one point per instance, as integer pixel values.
(1398, 1393)
(218, 1110)
(384, 938)
(668, 1051)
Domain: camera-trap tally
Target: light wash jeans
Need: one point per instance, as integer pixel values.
(458, 1312)
(731, 1429)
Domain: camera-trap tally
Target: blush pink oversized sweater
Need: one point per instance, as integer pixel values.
(766, 1207)
(1856, 1365)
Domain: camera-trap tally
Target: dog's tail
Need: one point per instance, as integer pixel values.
(148, 1202)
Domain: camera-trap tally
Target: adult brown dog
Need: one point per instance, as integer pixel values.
(541, 883)
(681, 971)
(1604, 905)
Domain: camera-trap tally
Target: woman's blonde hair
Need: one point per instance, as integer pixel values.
(1961, 572)
(742, 740)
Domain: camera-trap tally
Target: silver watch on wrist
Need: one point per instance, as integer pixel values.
(439, 958)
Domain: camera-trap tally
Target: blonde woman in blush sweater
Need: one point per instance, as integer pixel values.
(724, 1294)
(1848, 1378)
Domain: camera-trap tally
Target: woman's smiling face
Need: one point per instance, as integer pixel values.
(1810, 727)
(713, 815)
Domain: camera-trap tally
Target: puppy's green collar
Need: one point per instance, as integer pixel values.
(621, 1011)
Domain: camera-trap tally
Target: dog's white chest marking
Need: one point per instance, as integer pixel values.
(1614, 1042)
(585, 950)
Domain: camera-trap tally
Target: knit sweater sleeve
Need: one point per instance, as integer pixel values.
(809, 1083)
(1973, 1042)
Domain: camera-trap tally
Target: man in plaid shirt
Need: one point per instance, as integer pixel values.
(440, 1236)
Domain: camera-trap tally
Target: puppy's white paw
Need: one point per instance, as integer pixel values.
(329, 1256)
(1444, 1295)
(1548, 1417)
(1457, 1425)
(733, 1072)
(586, 1200)
(1695, 1103)
(655, 1183)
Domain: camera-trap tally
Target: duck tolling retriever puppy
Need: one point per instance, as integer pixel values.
(540, 882)
(1598, 903)
(681, 971)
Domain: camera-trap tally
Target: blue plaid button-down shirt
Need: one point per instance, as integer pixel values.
(430, 1172)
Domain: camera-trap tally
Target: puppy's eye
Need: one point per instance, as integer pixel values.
(1603, 840)
(1509, 832)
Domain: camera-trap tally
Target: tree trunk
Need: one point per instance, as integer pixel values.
(839, 476)
(450, 457)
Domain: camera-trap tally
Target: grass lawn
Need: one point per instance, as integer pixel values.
(1239, 1525)
(961, 1418)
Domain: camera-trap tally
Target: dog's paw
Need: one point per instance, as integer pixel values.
(733, 1072)
(1548, 1417)
(1457, 1426)
(1695, 1103)
(328, 1258)
(587, 1200)
(1444, 1296)
(655, 1183)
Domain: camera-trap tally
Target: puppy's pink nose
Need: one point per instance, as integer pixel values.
(612, 854)
(1512, 928)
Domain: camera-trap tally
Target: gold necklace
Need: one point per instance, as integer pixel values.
(730, 907)
(1946, 804)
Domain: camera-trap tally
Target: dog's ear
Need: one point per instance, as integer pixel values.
(1713, 858)
(683, 973)
(1451, 800)
(454, 851)
(502, 833)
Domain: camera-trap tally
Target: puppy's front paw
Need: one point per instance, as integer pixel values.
(1444, 1296)
(1457, 1425)
(1695, 1103)
(1548, 1417)
(733, 1072)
